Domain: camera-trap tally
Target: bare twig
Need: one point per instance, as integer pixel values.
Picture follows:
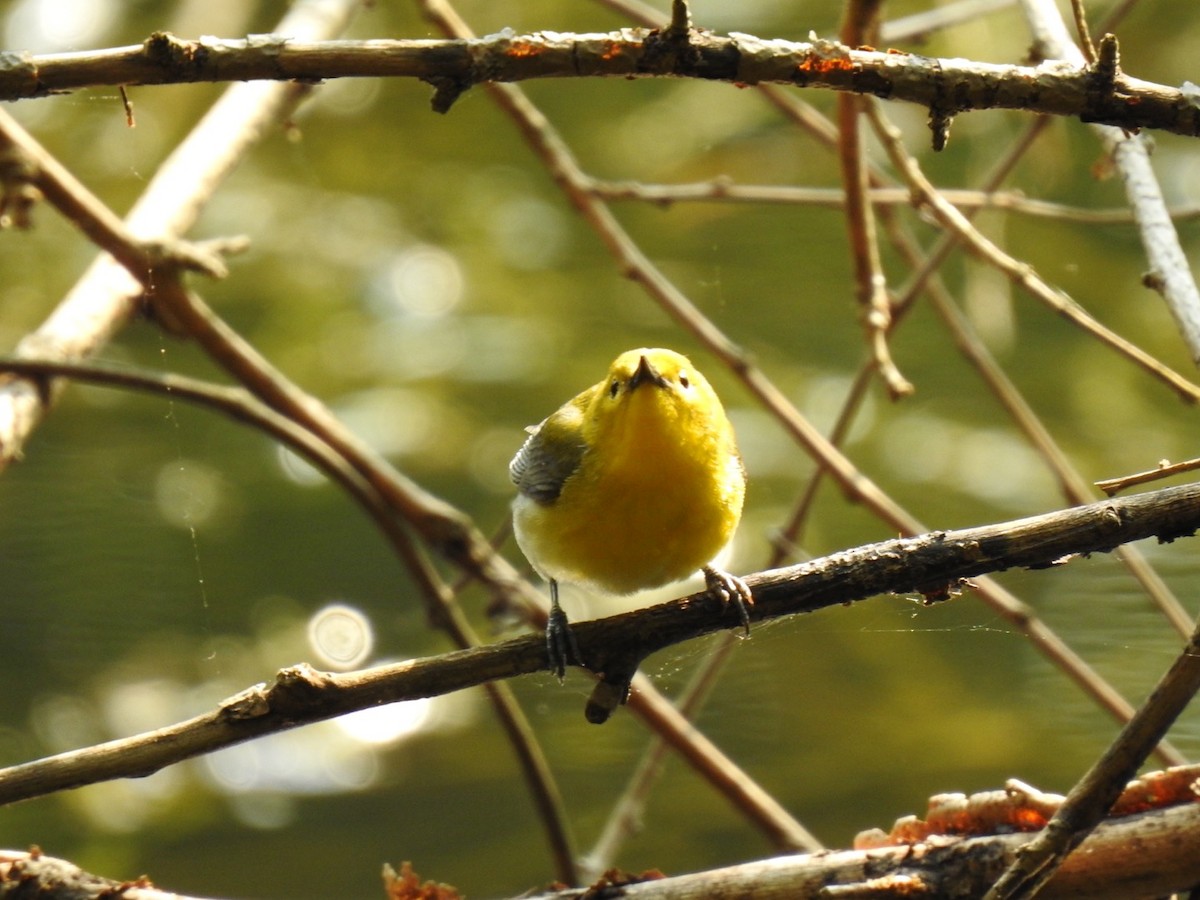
(731, 781)
(1086, 47)
(681, 19)
(1170, 272)
(870, 283)
(1164, 469)
(919, 26)
(1020, 273)
(723, 189)
(142, 258)
(1095, 793)
(625, 817)
(104, 299)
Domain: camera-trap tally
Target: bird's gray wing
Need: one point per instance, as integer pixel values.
(549, 456)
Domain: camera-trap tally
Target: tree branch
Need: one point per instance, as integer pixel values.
(931, 564)
(1148, 855)
(1098, 789)
(107, 295)
(1170, 272)
(947, 87)
(33, 874)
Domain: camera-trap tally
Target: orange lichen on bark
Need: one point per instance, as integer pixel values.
(524, 49)
(1180, 784)
(1027, 819)
(407, 885)
(1020, 807)
(823, 64)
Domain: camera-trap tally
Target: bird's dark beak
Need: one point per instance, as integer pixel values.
(645, 373)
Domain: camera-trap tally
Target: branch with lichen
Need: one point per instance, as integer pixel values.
(1098, 92)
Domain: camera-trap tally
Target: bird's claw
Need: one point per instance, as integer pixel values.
(560, 643)
(729, 589)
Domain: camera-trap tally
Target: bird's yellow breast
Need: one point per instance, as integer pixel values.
(658, 488)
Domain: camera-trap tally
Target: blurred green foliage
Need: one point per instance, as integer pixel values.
(424, 277)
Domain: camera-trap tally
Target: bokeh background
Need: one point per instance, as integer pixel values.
(423, 275)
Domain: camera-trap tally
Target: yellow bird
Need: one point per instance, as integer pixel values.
(633, 484)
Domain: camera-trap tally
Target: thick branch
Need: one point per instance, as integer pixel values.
(927, 564)
(33, 874)
(1147, 855)
(945, 86)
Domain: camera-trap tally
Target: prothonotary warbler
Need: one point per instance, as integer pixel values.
(633, 484)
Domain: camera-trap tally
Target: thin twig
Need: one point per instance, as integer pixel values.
(733, 783)
(920, 26)
(1020, 273)
(870, 283)
(1112, 486)
(625, 818)
(722, 189)
(1170, 271)
(681, 19)
(107, 295)
(1081, 27)
(789, 535)
(1095, 793)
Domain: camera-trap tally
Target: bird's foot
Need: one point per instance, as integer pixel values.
(729, 589)
(560, 643)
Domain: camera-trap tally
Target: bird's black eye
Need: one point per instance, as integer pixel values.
(683, 380)
(614, 388)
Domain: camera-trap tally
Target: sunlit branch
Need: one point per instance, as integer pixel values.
(930, 565)
(108, 295)
(925, 194)
(1095, 793)
(1153, 854)
(720, 190)
(1170, 272)
(947, 87)
(919, 26)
